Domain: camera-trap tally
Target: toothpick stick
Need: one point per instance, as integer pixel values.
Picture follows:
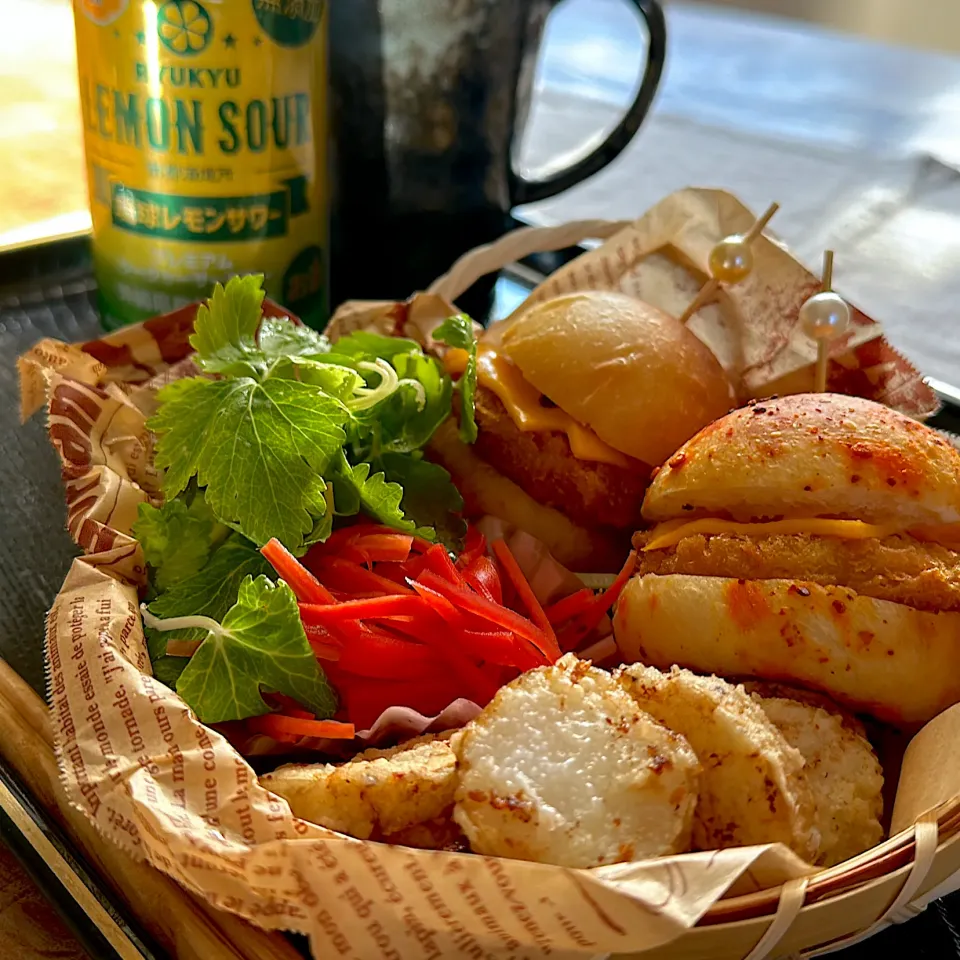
(730, 261)
(823, 345)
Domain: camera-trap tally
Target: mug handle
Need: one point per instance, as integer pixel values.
(523, 190)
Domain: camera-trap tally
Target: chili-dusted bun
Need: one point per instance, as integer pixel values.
(892, 661)
(811, 455)
(636, 376)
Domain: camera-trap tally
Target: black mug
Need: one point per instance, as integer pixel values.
(429, 99)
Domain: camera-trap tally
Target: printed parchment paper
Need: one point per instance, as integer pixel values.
(170, 790)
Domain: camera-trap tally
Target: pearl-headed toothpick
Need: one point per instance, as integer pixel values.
(730, 261)
(824, 317)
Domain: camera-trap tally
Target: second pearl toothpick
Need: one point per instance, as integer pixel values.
(824, 317)
(730, 261)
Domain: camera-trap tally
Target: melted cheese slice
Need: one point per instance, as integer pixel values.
(522, 402)
(673, 531)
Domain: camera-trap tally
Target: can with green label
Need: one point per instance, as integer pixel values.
(205, 125)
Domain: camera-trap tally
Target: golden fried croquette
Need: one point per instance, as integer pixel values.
(540, 462)
(898, 568)
(562, 767)
(378, 792)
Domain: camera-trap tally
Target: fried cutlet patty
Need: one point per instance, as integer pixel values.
(587, 491)
(898, 568)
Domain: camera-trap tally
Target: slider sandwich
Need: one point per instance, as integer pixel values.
(813, 539)
(578, 399)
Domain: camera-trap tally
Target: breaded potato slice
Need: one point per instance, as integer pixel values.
(842, 770)
(562, 767)
(753, 788)
(377, 792)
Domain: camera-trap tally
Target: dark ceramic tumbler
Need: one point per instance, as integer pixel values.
(429, 102)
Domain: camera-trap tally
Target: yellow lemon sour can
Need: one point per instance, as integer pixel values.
(205, 126)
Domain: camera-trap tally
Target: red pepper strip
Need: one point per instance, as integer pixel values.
(569, 606)
(482, 575)
(474, 546)
(377, 654)
(438, 561)
(439, 605)
(348, 534)
(300, 580)
(280, 727)
(524, 590)
(323, 651)
(367, 699)
(394, 572)
(342, 575)
(466, 600)
(501, 648)
(415, 566)
(582, 624)
(377, 548)
(383, 607)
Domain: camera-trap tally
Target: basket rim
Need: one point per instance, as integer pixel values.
(880, 861)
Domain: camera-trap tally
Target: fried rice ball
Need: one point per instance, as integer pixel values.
(842, 770)
(753, 788)
(562, 767)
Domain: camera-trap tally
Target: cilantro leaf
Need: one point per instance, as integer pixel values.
(176, 538)
(225, 331)
(259, 644)
(376, 496)
(284, 339)
(457, 331)
(267, 438)
(257, 448)
(337, 381)
(430, 499)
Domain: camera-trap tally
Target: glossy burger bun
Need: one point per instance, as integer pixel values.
(810, 455)
(636, 376)
(487, 491)
(894, 662)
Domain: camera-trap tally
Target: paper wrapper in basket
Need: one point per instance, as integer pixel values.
(662, 258)
(167, 789)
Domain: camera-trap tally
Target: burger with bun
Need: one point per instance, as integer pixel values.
(815, 540)
(578, 399)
